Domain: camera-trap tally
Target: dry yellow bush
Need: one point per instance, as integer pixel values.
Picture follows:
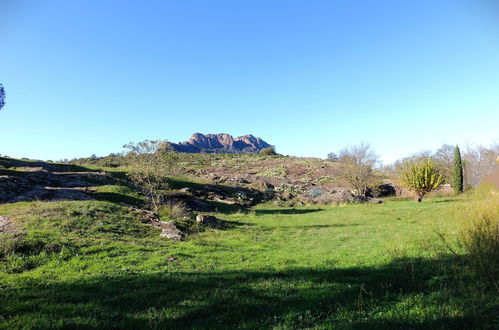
(479, 233)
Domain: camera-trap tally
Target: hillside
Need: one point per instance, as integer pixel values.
(80, 249)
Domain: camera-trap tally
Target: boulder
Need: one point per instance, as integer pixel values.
(169, 230)
(208, 220)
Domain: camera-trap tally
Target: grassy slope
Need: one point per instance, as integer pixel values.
(357, 266)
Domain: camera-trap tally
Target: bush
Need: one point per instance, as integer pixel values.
(175, 210)
(479, 234)
(270, 151)
(149, 173)
(421, 177)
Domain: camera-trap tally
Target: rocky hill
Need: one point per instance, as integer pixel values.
(220, 143)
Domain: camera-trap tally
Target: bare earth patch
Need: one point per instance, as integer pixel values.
(6, 226)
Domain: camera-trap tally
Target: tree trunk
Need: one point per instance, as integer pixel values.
(419, 198)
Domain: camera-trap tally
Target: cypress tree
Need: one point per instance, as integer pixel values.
(457, 177)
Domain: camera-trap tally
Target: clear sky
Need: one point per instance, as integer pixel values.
(310, 77)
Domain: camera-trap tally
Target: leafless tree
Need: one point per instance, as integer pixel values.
(479, 161)
(444, 159)
(356, 167)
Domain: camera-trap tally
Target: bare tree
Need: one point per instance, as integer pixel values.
(479, 161)
(356, 167)
(444, 158)
(150, 167)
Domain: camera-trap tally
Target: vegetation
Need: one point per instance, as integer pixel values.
(2, 96)
(356, 167)
(96, 265)
(270, 151)
(149, 171)
(101, 264)
(457, 177)
(421, 178)
(480, 234)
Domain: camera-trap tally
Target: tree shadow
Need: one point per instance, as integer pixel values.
(53, 167)
(228, 224)
(117, 198)
(350, 298)
(334, 225)
(286, 211)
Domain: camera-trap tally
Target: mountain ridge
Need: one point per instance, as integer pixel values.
(220, 143)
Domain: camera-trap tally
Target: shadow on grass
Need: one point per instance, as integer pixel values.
(117, 198)
(334, 225)
(287, 211)
(228, 224)
(405, 294)
(53, 167)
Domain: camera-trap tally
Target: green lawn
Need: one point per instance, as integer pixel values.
(95, 265)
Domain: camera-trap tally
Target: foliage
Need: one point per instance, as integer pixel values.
(2, 96)
(356, 167)
(333, 157)
(145, 147)
(480, 233)
(457, 175)
(270, 151)
(149, 172)
(421, 178)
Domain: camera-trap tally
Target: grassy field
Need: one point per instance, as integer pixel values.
(95, 265)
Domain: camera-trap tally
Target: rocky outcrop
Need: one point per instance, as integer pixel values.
(168, 229)
(220, 143)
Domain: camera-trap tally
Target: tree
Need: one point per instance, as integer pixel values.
(270, 151)
(356, 167)
(150, 167)
(2, 96)
(478, 161)
(145, 147)
(457, 177)
(421, 178)
(444, 158)
(332, 157)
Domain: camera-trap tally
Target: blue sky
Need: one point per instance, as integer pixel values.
(310, 77)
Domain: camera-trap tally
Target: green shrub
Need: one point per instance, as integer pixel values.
(270, 151)
(479, 234)
(422, 178)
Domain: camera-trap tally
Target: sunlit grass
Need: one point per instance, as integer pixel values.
(95, 264)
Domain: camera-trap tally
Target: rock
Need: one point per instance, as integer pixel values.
(220, 143)
(169, 230)
(207, 220)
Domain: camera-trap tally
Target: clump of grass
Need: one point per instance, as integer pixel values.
(175, 210)
(479, 234)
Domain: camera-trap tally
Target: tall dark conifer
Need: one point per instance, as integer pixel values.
(457, 175)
